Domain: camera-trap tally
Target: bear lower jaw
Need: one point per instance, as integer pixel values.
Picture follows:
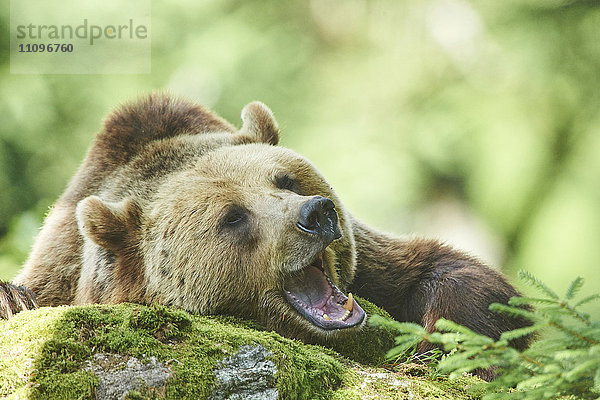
(316, 298)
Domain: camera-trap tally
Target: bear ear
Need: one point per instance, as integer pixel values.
(113, 226)
(259, 123)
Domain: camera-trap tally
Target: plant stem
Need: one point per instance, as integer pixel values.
(573, 333)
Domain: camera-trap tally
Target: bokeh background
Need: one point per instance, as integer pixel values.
(475, 122)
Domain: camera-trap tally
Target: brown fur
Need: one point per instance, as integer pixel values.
(422, 280)
(145, 220)
(14, 299)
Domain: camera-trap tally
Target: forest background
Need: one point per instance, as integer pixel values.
(474, 122)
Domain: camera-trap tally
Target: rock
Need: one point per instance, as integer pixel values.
(118, 375)
(247, 375)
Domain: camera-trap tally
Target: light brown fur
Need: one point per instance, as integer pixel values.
(147, 219)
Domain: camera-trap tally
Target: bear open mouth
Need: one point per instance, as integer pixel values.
(316, 298)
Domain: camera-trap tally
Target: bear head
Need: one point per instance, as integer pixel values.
(224, 223)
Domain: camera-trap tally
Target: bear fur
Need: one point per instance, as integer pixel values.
(174, 205)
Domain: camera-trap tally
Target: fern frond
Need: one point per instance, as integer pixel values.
(585, 368)
(477, 363)
(521, 301)
(462, 361)
(478, 340)
(547, 347)
(587, 299)
(446, 325)
(596, 387)
(378, 320)
(400, 349)
(535, 381)
(448, 340)
(517, 333)
(574, 288)
(565, 355)
(403, 327)
(585, 318)
(533, 281)
(406, 338)
(512, 311)
(573, 333)
(410, 328)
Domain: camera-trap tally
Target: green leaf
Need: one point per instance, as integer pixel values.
(574, 287)
(533, 281)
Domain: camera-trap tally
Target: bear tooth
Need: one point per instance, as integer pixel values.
(349, 303)
(326, 317)
(345, 316)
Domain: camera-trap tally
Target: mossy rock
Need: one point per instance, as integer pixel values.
(160, 352)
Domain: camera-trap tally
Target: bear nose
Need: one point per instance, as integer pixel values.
(318, 217)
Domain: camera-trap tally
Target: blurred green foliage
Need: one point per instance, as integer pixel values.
(473, 121)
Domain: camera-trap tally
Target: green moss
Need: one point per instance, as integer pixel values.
(125, 328)
(162, 322)
(53, 344)
(65, 386)
(43, 353)
(383, 384)
(304, 371)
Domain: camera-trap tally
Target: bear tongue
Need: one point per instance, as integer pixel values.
(310, 287)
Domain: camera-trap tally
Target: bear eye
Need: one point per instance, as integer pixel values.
(234, 216)
(286, 182)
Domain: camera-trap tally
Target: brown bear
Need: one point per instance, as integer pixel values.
(173, 205)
